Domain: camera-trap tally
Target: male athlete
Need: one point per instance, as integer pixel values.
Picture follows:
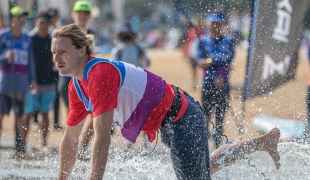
(135, 99)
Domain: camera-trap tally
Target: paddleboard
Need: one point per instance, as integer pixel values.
(290, 129)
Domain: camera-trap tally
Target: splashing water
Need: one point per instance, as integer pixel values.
(135, 165)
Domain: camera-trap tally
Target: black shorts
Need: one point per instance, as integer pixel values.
(6, 105)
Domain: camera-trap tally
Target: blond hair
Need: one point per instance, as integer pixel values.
(78, 37)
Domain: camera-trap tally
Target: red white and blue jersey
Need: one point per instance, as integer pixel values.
(140, 99)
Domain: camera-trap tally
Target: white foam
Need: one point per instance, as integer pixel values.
(295, 161)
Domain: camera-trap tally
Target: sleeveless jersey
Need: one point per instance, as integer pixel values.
(139, 92)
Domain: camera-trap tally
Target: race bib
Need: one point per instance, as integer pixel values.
(21, 57)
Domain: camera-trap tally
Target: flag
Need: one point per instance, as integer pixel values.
(276, 33)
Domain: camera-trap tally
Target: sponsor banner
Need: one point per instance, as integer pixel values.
(276, 33)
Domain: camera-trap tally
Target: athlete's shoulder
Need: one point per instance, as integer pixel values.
(100, 65)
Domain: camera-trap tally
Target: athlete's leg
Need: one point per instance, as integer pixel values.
(228, 154)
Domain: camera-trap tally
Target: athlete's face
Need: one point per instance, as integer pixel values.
(65, 55)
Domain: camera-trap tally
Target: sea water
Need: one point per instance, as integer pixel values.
(139, 164)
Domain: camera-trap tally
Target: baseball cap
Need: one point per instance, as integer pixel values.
(16, 11)
(215, 17)
(82, 5)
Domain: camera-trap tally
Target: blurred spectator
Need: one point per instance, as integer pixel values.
(107, 32)
(184, 26)
(104, 40)
(128, 50)
(43, 100)
(81, 15)
(53, 25)
(245, 28)
(192, 37)
(234, 24)
(55, 19)
(2, 25)
(17, 71)
(53, 12)
(215, 53)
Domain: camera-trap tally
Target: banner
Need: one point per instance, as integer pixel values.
(276, 33)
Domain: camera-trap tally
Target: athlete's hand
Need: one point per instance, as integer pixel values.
(10, 55)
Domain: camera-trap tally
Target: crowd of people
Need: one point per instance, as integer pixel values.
(40, 67)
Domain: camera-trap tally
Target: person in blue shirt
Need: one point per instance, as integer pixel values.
(17, 73)
(215, 52)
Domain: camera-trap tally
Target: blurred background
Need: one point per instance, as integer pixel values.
(158, 22)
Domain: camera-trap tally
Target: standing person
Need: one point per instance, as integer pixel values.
(53, 24)
(234, 25)
(192, 36)
(17, 71)
(215, 53)
(81, 15)
(43, 100)
(135, 99)
(129, 50)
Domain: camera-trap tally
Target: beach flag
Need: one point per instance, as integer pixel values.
(276, 33)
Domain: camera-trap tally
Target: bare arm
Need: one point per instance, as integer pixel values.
(68, 150)
(100, 150)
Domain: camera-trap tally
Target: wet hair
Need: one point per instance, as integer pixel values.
(78, 37)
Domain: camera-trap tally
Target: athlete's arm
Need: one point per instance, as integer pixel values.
(68, 150)
(70, 140)
(100, 149)
(103, 85)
